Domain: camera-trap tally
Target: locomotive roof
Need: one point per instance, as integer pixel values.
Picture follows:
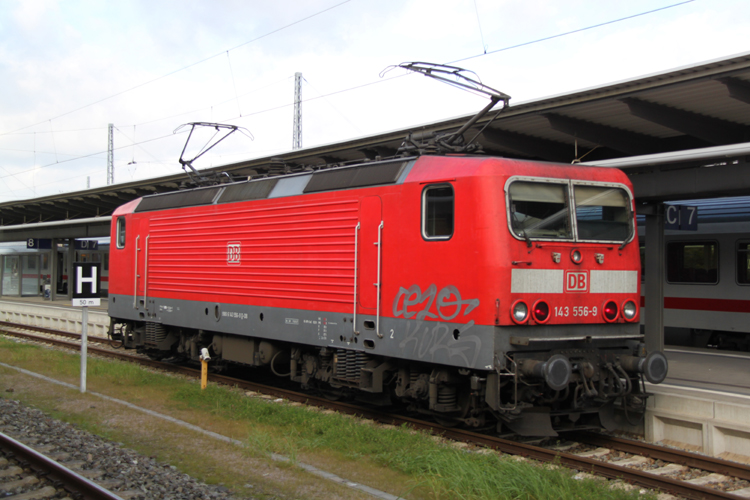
(431, 169)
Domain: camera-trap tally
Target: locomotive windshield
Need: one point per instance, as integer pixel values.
(602, 213)
(541, 210)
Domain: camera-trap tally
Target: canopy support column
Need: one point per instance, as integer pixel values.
(655, 272)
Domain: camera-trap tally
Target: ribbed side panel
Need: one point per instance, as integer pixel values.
(302, 252)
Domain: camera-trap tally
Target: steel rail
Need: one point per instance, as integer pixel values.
(50, 331)
(608, 470)
(593, 466)
(77, 485)
(682, 457)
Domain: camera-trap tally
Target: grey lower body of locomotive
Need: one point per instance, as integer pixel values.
(548, 358)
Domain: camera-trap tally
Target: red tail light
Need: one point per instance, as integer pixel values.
(610, 311)
(540, 311)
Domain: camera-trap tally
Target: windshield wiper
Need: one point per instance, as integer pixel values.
(630, 222)
(518, 222)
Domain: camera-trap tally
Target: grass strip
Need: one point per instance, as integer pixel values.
(429, 468)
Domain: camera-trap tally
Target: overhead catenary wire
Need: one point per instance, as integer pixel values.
(149, 122)
(331, 105)
(88, 155)
(133, 145)
(93, 171)
(181, 69)
(234, 84)
(54, 147)
(479, 23)
(572, 32)
(484, 53)
(322, 96)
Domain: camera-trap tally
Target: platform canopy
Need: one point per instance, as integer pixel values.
(681, 134)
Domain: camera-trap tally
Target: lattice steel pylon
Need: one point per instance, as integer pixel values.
(111, 156)
(297, 137)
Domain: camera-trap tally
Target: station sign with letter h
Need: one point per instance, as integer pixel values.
(87, 290)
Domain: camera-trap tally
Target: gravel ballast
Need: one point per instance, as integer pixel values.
(123, 471)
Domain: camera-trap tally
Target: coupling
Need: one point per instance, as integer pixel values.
(556, 371)
(654, 366)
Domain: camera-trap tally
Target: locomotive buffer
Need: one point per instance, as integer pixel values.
(86, 293)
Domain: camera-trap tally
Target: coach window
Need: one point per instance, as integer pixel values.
(743, 263)
(437, 212)
(121, 232)
(539, 210)
(693, 262)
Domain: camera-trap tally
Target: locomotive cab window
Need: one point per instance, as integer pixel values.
(693, 262)
(539, 210)
(121, 232)
(743, 263)
(602, 213)
(437, 212)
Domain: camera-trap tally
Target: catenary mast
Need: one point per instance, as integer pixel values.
(297, 137)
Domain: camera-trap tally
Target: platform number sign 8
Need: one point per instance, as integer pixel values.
(233, 253)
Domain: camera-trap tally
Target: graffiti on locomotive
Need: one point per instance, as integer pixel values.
(425, 339)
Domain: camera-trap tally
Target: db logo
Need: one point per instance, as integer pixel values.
(233, 253)
(576, 281)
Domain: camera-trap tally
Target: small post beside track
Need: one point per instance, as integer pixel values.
(205, 358)
(84, 345)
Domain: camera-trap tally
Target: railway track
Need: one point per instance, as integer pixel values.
(26, 473)
(717, 471)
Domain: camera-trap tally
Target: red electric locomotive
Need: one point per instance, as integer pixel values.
(479, 290)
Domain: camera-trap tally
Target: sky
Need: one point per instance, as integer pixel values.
(71, 67)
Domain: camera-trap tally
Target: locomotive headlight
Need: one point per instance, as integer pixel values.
(576, 256)
(540, 311)
(519, 311)
(629, 310)
(609, 311)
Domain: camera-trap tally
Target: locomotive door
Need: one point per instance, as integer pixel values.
(370, 248)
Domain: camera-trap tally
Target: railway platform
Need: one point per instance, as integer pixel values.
(703, 405)
(58, 314)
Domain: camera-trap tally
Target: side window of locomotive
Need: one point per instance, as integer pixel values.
(693, 262)
(603, 213)
(437, 212)
(539, 210)
(743, 263)
(121, 232)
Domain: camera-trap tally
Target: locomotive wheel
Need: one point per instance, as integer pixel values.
(447, 423)
(332, 394)
(155, 355)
